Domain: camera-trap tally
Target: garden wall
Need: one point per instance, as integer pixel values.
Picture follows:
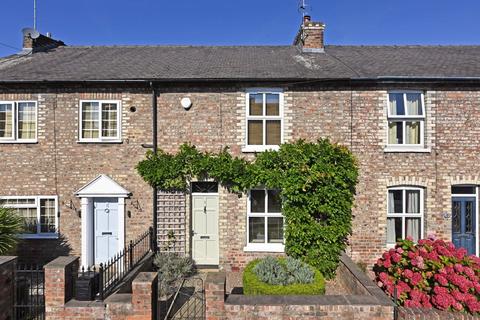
(363, 300)
(140, 304)
(431, 314)
(7, 286)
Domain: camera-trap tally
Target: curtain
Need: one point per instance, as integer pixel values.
(413, 228)
(273, 132)
(414, 106)
(391, 234)
(6, 115)
(255, 132)
(26, 120)
(413, 202)
(396, 104)
(90, 120)
(393, 133)
(109, 120)
(413, 133)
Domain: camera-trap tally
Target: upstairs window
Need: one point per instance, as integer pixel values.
(265, 221)
(39, 214)
(264, 120)
(100, 121)
(405, 214)
(18, 121)
(406, 118)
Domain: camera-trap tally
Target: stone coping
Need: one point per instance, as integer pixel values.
(60, 262)
(7, 259)
(239, 299)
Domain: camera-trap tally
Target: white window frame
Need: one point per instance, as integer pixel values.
(14, 138)
(264, 118)
(263, 247)
(404, 215)
(100, 139)
(405, 147)
(38, 235)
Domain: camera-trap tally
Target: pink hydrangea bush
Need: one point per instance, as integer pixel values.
(432, 273)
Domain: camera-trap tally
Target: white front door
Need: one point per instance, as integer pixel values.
(105, 211)
(205, 244)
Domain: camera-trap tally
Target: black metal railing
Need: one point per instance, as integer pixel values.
(104, 279)
(29, 299)
(114, 271)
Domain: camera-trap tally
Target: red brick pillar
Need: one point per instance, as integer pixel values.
(7, 286)
(60, 275)
(215, 295)
(144, 296)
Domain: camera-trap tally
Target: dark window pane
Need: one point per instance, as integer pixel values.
(397, 107)
(395, 201)
(273, 132)
(273, 105)
(205, 187)
(255, 132)
(414, 104)
(394, 230)
(256, 229)
(395, 132)
(256, 104)
(275, 230)
(469, 214)
(257, 201)
(463, 190)
(456, 216)
(274, 201)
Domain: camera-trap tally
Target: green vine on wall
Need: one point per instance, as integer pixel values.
(317, 181)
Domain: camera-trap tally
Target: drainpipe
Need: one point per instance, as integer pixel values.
(155, 148)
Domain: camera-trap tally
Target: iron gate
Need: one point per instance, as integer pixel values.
(187, 302)
(29, 300)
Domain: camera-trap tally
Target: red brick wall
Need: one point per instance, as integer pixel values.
(7, 286)
(356, 117)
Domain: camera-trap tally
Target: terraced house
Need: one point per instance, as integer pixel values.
(75, 121)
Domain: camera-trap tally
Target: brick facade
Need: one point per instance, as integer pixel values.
(351, 115)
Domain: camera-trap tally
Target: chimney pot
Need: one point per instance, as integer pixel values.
(307, 18)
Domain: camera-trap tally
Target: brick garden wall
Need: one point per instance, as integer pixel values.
(362, 300)
(355, 117)
(7, 286)
(140, 304)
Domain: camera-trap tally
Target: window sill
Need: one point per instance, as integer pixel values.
(249, 149)
(18, 142)
(38, 236)
(100, 141)
(411, 149)
(263, 247)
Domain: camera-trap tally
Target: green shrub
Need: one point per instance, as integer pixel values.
(253, 285)
(11, 224)
(317, 182)
(171, 268)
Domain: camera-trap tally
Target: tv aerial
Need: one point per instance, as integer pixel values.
(303, 7)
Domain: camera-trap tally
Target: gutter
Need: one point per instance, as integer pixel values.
(155, 149)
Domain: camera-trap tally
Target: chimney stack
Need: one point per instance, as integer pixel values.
(36, 42)
(310, 37)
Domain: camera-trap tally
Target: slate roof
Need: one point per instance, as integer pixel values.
(262, 63)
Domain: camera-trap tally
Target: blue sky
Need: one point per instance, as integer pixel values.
(230, 22)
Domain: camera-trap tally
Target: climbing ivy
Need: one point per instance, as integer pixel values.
(317, 181)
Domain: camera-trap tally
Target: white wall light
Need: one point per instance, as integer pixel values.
(186, 103)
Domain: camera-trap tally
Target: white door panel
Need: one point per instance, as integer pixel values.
(205, 242)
